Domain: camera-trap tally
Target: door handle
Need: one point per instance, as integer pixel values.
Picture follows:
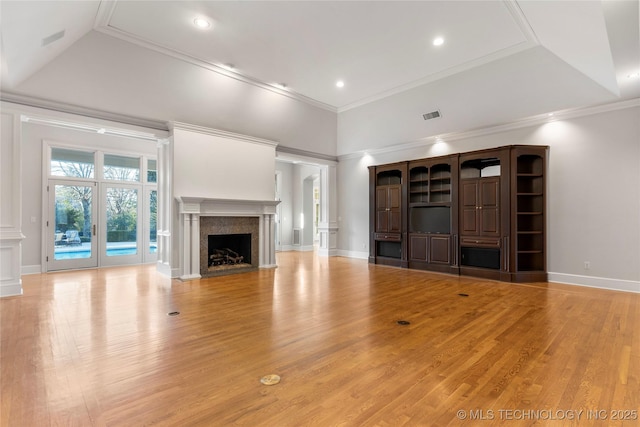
(94, 229)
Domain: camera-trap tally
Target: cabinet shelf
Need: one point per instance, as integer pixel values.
(529, 232)
(529, 213)
(529, 194)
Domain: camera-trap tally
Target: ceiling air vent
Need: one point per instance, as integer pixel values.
(431, 115)
(52, 38)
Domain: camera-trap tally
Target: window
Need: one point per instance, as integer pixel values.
(72, 163)
(152, 171)
(121, 168)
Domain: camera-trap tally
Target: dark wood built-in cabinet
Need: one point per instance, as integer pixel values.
(480, 213)
(432, 213)
(528, 213)
(388, 198)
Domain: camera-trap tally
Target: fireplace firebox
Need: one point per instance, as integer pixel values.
(229, 249)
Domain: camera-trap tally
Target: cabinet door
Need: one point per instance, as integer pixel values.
(381, 198)
(469, 207)
(490, 207)
(418, 248)
(388, 209)
(382, 221)
(439, 249)
(394, 202)
(395, 221)
(382, 209)
(394, 197)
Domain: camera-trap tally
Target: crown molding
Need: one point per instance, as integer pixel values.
(289, 154)
(33, 102)
(220, 133)
(521, 20)
(517, 124)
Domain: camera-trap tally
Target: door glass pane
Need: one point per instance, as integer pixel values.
(73, 163)
(122, 221)
(152, 171)
(153, 221)
(121, 168)
(72, 231)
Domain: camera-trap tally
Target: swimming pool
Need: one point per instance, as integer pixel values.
(79, 253)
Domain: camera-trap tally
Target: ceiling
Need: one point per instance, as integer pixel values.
(378, 49)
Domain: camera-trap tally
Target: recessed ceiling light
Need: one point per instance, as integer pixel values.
(340, 83)
(201, 23)
(438, 41)
(633, 75)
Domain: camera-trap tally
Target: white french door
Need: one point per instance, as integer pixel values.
(120, 230)
(101, 209)
(72, 225)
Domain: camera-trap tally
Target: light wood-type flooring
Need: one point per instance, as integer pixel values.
(98, 348)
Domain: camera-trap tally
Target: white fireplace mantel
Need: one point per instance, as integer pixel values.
(226, 207)
(192, 208)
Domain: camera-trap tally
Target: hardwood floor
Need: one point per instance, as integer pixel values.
(98, 348)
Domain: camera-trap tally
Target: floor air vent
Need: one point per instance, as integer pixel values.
(296, 236)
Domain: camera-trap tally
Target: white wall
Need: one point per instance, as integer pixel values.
(211, 166)
(112, 75)
(517, 81)
(593, 197)
(286, 204)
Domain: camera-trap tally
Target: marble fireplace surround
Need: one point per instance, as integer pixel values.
(192, 211)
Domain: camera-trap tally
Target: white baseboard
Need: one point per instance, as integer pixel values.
(266, 266)
(303, 248)
(11, 289)
(31, 269)
(595, 282)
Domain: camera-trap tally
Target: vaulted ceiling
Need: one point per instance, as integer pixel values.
(379, 50)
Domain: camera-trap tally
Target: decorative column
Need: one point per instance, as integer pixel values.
(190, 241)
(165, 208)
(11, 206)
(267, 241)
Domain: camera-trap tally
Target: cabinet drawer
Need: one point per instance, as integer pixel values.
(488, 242)
(390, 237)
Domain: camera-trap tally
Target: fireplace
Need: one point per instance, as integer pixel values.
(225, 220)
(228, 245)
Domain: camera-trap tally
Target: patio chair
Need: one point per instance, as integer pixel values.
(59, 239)
(73, 238)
